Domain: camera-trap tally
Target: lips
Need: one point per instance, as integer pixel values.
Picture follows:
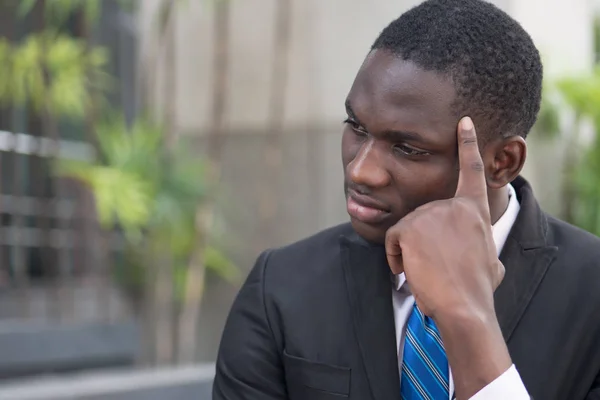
(366, 209)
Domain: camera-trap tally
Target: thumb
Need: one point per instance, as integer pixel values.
(396, 264)
(393, 250)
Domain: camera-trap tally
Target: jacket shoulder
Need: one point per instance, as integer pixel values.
(311, 254)
(577, 248)
(573, 238)
(316, 245)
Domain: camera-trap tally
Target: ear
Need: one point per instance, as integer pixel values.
(504, 159)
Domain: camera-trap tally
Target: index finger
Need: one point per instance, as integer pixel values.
(471, 178)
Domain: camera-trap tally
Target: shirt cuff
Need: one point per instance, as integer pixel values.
(507, 386)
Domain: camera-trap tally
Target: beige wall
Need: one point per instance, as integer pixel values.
(329, 41)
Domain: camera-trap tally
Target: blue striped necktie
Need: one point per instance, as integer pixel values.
(425, 373)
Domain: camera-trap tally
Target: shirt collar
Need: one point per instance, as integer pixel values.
(500, 229)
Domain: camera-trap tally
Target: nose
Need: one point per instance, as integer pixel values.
(368, 169)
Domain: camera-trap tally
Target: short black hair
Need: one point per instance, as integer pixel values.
(492, 62)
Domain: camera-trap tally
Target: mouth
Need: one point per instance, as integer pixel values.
(366, 209)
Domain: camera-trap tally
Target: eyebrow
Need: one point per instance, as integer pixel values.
(350, 112)
(393, 135)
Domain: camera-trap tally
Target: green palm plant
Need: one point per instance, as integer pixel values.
(152, 194)
(582, 94)
(157, 194)
(51, 75)
(579, 94)
(587, 175)
(51, 72)
(549, 116)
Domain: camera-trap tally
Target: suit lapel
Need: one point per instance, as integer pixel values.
(524, 272)
(370, 295)
(526, 257)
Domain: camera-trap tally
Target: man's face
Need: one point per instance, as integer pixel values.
(399, 146)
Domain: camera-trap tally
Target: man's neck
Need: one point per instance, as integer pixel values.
(498, 200)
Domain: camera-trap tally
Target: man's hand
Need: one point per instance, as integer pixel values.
(447, 252)
(446, 247)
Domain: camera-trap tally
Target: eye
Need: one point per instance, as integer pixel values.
(409, 151)
(359, 130)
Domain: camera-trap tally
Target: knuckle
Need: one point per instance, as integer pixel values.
(477, 166)
(419, 224)
(397, 230)
(468, 139)
(391, 234)
(429, 207)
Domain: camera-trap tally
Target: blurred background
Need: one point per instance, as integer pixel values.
(150, 149)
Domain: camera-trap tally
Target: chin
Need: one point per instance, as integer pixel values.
(371, 233)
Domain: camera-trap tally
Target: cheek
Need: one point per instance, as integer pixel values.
(421, 183)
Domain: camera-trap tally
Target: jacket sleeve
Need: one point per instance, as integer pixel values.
(594, 393)
(248, 364)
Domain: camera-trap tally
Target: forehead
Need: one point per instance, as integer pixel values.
(393, 94)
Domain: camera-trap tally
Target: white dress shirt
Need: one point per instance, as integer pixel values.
(508, 385)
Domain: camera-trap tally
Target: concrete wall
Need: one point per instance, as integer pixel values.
(329, 40)
(39, 347)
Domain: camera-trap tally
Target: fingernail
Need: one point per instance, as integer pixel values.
(466, 123)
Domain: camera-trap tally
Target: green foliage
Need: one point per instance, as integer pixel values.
(581, 95)
(216, 261)
(222, 265)
(148, 191)
(58, 12)
(25, 7)
(587, 178)
(6, 69)
(151, 192)
(51, 72)
(597, 38)
(548, 121)
(121, 197)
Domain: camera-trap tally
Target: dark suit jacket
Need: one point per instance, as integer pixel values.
(314, 320)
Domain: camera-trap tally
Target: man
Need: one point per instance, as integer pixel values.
(449, 281)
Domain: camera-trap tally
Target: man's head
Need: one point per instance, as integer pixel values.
(438, 62)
